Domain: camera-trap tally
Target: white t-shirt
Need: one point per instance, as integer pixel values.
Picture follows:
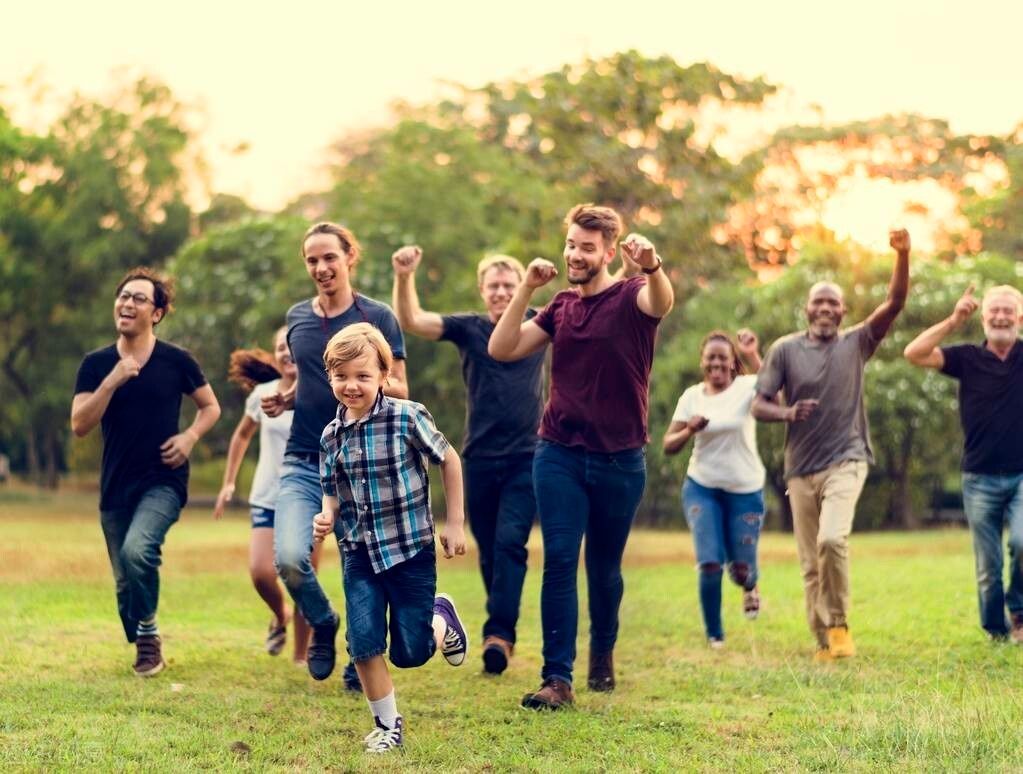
(273, 438)
(725, 451)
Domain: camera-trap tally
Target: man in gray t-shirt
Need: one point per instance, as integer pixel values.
(819, 373)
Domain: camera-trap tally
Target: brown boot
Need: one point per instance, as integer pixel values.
(553, 694)
(149, 655)
(496, 652)
(602, 672)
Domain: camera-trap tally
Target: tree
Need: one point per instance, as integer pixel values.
(102, 191)
(235, 284)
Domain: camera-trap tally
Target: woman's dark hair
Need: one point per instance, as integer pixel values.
(250, 367)
(738, 368)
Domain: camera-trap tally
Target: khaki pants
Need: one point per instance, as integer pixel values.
(823, 506)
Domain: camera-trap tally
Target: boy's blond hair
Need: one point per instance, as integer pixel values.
(503, 262)
(351, 342)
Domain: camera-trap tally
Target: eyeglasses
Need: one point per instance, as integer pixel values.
(138, 298)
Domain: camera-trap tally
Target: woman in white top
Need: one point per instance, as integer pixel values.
(723, 494)
(261, 373)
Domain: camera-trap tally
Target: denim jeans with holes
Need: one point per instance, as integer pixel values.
(726, 530)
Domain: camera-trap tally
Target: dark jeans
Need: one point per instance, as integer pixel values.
(994, 503)
(404, 593)
(726, 529)
(583, 493)
(502, 507)
(134, 538)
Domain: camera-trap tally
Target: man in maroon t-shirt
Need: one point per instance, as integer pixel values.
(589, 468)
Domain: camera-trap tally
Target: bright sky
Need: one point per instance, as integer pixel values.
(288, 78)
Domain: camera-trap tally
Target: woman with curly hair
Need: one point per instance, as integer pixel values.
(261, 373)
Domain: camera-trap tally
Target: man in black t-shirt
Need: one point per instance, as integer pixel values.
(133, 388)
(991, 413)
(503, 409)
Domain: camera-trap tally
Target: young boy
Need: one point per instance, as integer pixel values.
(373, 467)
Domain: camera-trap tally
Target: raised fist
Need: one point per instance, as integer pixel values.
(747, 343)
(899, 240)
(406, 259)
(539, 272)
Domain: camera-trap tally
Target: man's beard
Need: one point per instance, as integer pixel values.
(590, 274)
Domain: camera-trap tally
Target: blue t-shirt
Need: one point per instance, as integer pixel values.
(308, 334)
(504, 401)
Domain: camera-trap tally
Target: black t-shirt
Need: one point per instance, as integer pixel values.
(143, 413)
(308, 334)
(990, 407)
(504, 400)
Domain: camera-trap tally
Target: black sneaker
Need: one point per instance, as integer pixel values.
(148, 655)
(351, 678)
(322, 653)
(496, 652)
(602, 672)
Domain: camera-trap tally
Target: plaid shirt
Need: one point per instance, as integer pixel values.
(377, 468)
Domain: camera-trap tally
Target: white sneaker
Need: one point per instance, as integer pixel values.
(383, 739)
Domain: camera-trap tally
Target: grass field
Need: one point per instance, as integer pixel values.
(926, 693)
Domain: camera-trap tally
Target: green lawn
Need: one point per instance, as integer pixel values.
(926, 693)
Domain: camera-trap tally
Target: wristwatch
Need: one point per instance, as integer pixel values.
(652, 269)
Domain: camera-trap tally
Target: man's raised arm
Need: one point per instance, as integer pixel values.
(881, 319)
(411, 316)
(513, 339)
(925, 350)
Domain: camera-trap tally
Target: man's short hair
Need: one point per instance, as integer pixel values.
(825, 284)
(501, 262)
(594, 218)
(352, 341)
(1003, 290)
(163, 287)
(349, 243)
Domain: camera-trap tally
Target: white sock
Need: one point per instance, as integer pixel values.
(386, 709)
(440, 628)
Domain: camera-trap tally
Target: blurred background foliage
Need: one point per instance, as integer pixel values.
(745, 223)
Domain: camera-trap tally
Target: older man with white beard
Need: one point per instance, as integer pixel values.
(990, 378)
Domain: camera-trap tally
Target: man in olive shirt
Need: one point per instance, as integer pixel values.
(819, 372)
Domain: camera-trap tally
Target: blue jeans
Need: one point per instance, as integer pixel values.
(726, 528)
(298, 501)
(501, 505)
(404, 593)
(583, 493)
(991, 503)
(134, 538)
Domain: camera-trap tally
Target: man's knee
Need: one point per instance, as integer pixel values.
(833, 544)
(137, 558)
(292, 565)
(710, 568)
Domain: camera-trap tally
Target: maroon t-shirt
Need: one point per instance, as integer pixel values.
(602, 350)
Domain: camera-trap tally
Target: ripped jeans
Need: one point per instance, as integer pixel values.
(726, 529)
